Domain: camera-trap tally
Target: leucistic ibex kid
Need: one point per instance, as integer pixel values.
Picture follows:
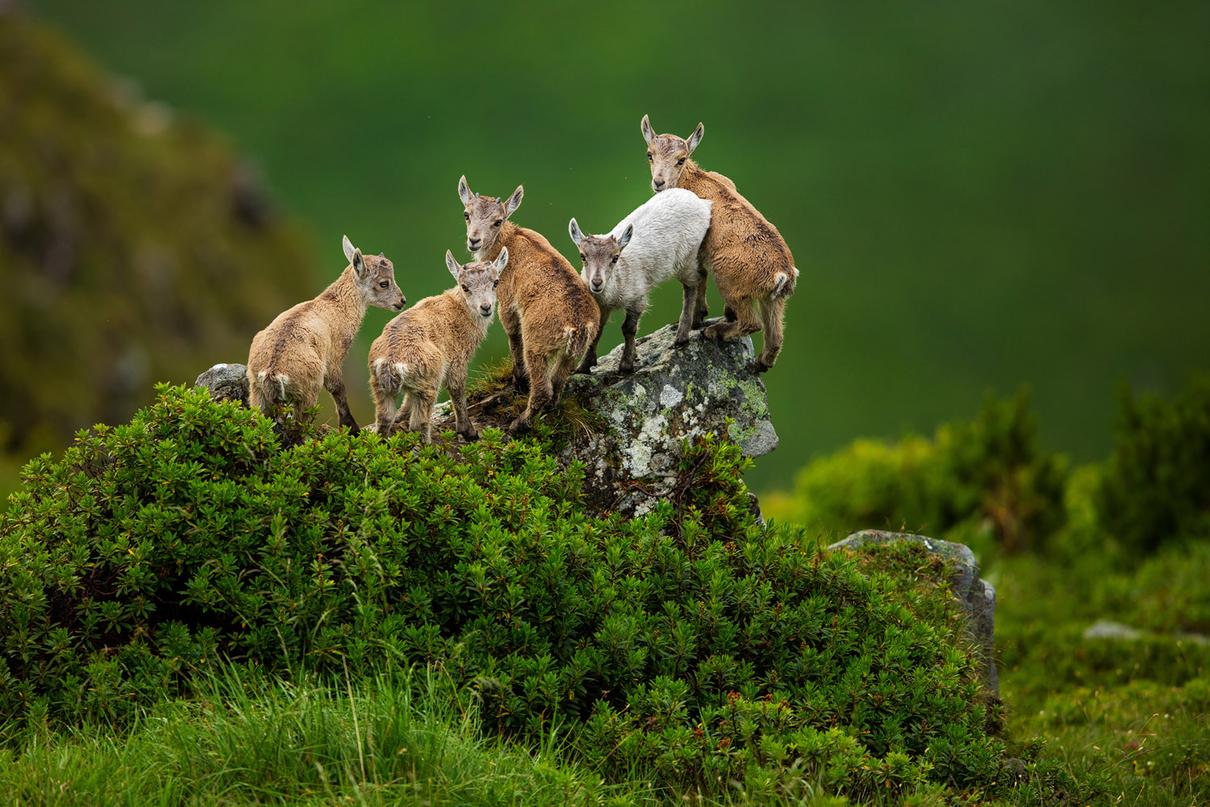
(430, 346)
(546, 310)
(303, 349)
(752, 265)
(658, 241)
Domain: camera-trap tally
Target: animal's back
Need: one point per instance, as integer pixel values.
(742, 240)
(668, 231)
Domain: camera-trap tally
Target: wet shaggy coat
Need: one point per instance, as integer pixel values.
(751, 262)
(303, 350)
(547, 312)
(428, 347)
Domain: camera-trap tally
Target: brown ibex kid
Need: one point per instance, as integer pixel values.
(752, 265)
(430, 346)
(545, 308)
(303, 349)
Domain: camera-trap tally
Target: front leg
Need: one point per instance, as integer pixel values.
(629, 328)
(590, 358)
(688, 316)
(336, 388)
(701, 309)
(462, 421)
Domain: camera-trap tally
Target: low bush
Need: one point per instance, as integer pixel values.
(1156, 485)
(986, 476)
(693, 643)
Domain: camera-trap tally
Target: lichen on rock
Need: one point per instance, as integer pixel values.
(676, 394)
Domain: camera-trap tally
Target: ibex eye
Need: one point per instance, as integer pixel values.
(681, 161)
(495, 283)
(466, 215)
(583, 257)
(384, 284)
(497, 222)
(615, 259)
(466, 289)
(649, 157)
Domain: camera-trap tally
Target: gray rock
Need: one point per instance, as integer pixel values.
(226, 382)
(976, 596)
(674, 394)
(1108, 629)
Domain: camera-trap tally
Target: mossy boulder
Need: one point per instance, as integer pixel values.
(676, 395)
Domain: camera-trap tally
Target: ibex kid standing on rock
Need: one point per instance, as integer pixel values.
(303, 349)
(545, 308)
(430, 346)
(752, 265)
(659, 240)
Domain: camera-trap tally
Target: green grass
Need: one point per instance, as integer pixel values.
(397, 739)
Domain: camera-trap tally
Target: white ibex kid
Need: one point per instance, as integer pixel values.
(752, 265)
(430, 346)
(303, 349)
(657, 241)
(545, 308)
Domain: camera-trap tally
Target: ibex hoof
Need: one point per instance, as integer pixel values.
(470, 435)
(519, 426)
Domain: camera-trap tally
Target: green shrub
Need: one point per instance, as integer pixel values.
(1156, 487)
(153, 551)
(982, 476)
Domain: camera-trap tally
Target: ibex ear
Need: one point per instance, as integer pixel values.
(626, 236)
(452, 264)
(354, 256)
(348, 248)
(464, 190)
(696, 137)
(648, 132)
(573, 229)
(501, 262)
(514, 201)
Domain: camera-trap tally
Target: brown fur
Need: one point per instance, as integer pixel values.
(752, 264)
(302, 351)
(427, 348)
(546, 310)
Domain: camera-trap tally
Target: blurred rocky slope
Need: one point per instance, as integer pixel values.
(133, 244)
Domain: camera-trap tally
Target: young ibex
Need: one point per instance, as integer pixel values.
(430, 346)
(302, 350)
(546, 310)
(752, 265)
(659, 240)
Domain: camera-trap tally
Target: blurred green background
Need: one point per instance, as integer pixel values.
(979, 195)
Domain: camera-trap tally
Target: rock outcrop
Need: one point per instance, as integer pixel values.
(226, 382)
(975, 595)
(674, 394)
(639, 421)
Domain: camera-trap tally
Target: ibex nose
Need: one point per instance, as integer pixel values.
(473, 242)
(399, 305)
(486, 308)
(657, 183)
(596, 285)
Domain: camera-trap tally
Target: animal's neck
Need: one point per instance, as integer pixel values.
(508, 231)
(344, 297)
(696, 180)
(478, 323)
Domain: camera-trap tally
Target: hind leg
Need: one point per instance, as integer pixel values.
(516, 348)
(772, 314)
(421, 417)
(336, 388)
(541, 390)
(689, 319)
(745, 322)
(590, 358)
(385, 410)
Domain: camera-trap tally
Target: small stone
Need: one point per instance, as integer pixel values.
(226, 382)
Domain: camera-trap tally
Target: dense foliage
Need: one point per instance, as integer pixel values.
(982, 477)
(693, 643)
(1156, 487)
(133, 246)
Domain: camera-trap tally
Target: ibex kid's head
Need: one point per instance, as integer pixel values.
(478, 281)
(375, 278)
(599, 253)
(485, 216)
(668, 154)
